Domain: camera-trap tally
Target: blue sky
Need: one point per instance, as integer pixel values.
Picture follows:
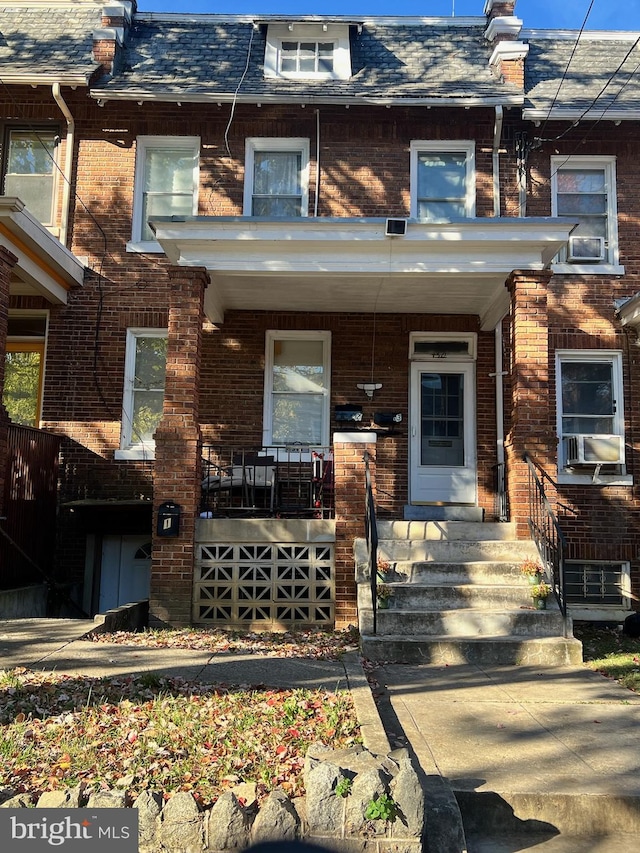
(605, 14)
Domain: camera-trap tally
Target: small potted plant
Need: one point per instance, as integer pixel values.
(532, 570)
(540, 592)
(384, 570)
(383, 594)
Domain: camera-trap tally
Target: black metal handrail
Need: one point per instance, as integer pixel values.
(371, 536)
(545, 530)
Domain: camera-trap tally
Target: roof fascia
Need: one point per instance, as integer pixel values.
(387, 21)
(589, 35)
(575, 115)
(35, 79)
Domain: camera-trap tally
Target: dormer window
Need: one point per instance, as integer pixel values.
(303, 51)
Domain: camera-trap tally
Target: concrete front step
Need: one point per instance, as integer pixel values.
(423, 596)
(415, 512)
(470, 623)
(451, 551)
(479, 571)
(441, 650)
(447, 530)
(489, 814)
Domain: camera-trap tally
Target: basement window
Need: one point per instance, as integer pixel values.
(597, 583)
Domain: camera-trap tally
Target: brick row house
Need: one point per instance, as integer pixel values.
(242, 254)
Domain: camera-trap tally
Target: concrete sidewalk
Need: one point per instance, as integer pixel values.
(546, 753)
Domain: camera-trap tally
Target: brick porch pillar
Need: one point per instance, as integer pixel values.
(7, 263)
(348, 453)
(531, 426)
(177, 466)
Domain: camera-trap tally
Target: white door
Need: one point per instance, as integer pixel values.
(443, 433)
(125, 570)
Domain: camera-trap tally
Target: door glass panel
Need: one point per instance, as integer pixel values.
(442, 419)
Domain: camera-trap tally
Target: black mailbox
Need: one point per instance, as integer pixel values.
(169, 519)
(387, 418)
(348, 412)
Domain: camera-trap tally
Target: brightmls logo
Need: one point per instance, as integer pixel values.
(37, 830)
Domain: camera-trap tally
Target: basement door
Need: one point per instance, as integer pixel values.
(125, 570)
(443, 433)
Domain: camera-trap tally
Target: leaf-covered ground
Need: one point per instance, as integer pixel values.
(317, 645)
(164, 734)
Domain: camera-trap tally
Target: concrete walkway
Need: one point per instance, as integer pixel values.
(549, 754)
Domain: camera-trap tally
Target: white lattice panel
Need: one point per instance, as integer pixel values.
(274, 585)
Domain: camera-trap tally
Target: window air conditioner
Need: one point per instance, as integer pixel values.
(585, 249)
(594, 449)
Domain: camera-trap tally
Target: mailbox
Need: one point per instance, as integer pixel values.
(348, 412)
(169, 519)
(387, 418)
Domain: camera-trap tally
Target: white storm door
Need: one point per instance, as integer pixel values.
(443, 433)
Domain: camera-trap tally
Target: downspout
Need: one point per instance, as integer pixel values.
(68, 162)
(500, 455)
(315, 203)
(497, 135)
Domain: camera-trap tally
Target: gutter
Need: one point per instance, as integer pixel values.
(104, 95)
(68, 162)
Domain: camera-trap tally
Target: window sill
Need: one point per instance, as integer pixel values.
(588, 269)
(146, 454)
(145, 247)
(569, 479)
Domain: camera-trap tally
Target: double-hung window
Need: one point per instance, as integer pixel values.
(442, 180)
(583, 189)
(276, 177)
(590, 410)
(143, 398)
(30, 172)
(296, 404)
(166, 184)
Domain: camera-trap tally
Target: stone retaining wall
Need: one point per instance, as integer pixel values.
(236, 821)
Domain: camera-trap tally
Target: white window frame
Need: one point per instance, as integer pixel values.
(613, 357)
(128, 448)
(272, 336)
(453, 146)
(265, 143)
(338, 34)
(143, 144)
(610, 265)
(37, 132)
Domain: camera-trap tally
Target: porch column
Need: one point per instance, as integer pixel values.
(7, 263)
(177, 466)
(531, 425)
(348, 453)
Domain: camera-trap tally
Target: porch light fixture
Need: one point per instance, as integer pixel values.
(369, 388)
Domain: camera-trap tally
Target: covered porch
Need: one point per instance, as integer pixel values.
(229, 270)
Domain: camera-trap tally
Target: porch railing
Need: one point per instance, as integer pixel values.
(293, 481)
(371, 536)
(28, 529)
(545, 530)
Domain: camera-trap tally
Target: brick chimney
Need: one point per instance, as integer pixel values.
(116, 19)
(508, 55)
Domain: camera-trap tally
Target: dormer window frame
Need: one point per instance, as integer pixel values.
(308, 33)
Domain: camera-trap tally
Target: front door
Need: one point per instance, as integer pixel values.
(443, 433)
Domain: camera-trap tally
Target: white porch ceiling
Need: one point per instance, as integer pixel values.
(349, 265)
